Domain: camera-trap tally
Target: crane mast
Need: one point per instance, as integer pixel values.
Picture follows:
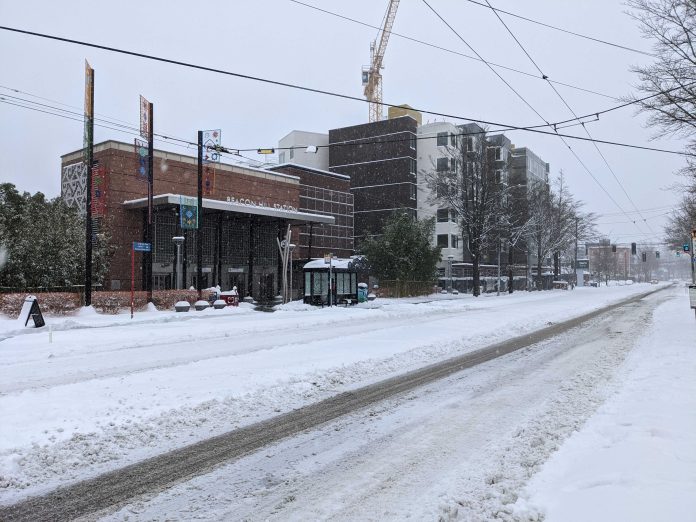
(372, 77)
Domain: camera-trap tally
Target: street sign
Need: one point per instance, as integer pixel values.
(583, 264)
(142, 247)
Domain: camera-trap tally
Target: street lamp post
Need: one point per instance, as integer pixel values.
(178, 241)
(450, 258)
(291, 246)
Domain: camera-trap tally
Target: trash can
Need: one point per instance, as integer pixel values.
(692, 295)
(231, 298)
(362, 292)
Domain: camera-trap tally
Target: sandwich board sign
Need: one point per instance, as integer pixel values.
(31, 310)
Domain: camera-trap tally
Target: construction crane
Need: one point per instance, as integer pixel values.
(371, 76)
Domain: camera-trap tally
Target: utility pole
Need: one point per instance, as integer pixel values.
(150, 196)
(577, 276)
(199, 231)
(89, 162)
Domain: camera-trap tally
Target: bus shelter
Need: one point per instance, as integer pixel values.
(344, 282)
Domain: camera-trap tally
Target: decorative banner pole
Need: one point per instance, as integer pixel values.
(199, 231)
(146, 128)
(88, 139)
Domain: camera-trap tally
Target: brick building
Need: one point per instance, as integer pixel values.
(380, 159)
(327, 194)
(247, 210)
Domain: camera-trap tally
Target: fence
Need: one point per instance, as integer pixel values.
(397, 288)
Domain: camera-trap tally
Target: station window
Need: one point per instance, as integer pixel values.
(442, 139)
(442, 240)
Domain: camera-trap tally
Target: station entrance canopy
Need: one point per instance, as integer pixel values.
(241, 206)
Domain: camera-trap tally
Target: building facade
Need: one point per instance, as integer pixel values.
(437, 146)
(326, 194)
(244, 211)
(292, 148)
(381, 160)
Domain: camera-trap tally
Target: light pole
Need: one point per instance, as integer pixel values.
(178, 241)
(450, 258)
(291, 246)
(500, 241)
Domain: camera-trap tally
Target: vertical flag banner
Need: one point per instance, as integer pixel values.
(145, 127)
(141, 152)
(188, 212)
(99, 191)
(211, 156)
(89, 109)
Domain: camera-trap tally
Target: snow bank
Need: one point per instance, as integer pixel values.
(635, 459)
(109, 391)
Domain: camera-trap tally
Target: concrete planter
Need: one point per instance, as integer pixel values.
(201, 305)
(219, 304)
(182, 306)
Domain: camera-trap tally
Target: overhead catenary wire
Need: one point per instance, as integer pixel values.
(257, 164)
(188, 143)
(555, 28)
(577, 157)
(445, 49)
(560, 96)
(329, 93)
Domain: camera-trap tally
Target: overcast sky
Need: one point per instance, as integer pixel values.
(281, 40)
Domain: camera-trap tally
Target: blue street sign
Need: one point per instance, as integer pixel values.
(141, 247)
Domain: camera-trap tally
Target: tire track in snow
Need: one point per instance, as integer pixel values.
(116, 488)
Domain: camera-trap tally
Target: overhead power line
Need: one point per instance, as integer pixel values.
(560, 96)
(599, 184)
(575, 154)
(329, 93)
(188, 144)
(445, 49)
(567, 31)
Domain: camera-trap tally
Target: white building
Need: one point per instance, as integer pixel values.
(436, 142)
(292, 149)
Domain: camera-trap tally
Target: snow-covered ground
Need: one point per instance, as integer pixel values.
(109, 390)
(635, 459)
(464, 448)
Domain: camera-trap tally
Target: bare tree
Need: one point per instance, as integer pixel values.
(517, 225)
(605, 262)
(552, 222)
(671, 82)
(467, 184)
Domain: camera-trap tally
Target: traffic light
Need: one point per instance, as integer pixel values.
(613, 248)
(657, 255)
(645, 257)
(685, 246)
(633, 249)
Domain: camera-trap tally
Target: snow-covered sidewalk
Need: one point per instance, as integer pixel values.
(635, 459)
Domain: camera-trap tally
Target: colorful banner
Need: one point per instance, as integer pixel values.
(208, 180)
(145, 124)
(89, 90)
(99, 182)
(89, 111)
(140, 149)
(188, 212)
(211, 143)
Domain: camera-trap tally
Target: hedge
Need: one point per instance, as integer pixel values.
(66, 303)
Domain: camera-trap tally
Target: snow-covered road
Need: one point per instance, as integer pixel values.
(462, 448)
(106, 393)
